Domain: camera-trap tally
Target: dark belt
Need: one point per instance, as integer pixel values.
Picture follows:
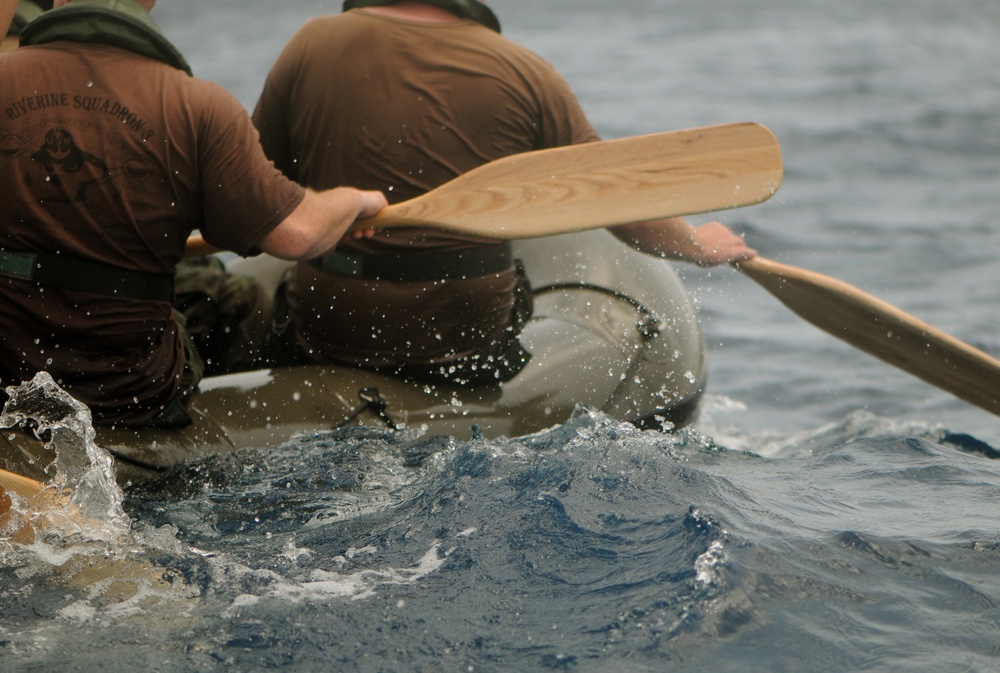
(82, 275)
(421, 265)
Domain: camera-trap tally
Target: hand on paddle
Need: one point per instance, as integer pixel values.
(359, 233)
(375, 203)
(716, 244)
(710, 244)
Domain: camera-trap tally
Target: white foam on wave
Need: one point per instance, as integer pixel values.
(363, 583)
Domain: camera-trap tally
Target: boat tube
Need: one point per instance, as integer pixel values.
(613, 330)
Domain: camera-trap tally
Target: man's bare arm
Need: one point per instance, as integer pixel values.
(707, 245)
(320, 221)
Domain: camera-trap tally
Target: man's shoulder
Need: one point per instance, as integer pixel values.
(326, 23)
(518, 54)
(204, 93)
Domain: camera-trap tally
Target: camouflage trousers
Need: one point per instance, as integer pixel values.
(224, 319)
(227, 316)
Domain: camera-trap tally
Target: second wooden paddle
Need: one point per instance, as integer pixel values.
(883, 330)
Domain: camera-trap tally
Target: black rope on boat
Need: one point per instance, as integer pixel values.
(649, 325)
(374, 401)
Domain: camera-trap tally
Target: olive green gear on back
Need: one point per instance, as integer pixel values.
(25, 12)
(118, 23)
(467, 9)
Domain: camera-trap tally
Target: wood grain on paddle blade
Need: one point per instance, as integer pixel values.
(15, 483)
(602, 184)
(17, 527)
(595, 185)
(883, 330)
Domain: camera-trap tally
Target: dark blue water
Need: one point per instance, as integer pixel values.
(592, 546)
(827, 512)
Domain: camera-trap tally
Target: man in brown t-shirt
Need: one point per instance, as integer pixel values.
(110, 155)
(402, 97)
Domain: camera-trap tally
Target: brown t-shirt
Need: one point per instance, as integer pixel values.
(110, 156)
(375, 102)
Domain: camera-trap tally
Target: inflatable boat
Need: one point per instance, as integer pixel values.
(613, 330)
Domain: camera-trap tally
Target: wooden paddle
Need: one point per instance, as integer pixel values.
(15, 483)
(883, 331)
(32, 491)
(595, 185)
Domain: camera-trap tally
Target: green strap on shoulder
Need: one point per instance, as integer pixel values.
(25, 12)
(467, 9)
(118, 23)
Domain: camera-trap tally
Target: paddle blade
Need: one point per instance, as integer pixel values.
(882, 330)
(601, 184)
(20, 530)
(15, 483)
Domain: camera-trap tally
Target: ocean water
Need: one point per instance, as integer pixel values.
(826, 512)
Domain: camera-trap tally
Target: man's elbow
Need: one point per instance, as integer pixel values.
(289, 242)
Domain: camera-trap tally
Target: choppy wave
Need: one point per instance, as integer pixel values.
(591, 546)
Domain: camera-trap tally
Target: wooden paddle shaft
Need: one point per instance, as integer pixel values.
(883, 330)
